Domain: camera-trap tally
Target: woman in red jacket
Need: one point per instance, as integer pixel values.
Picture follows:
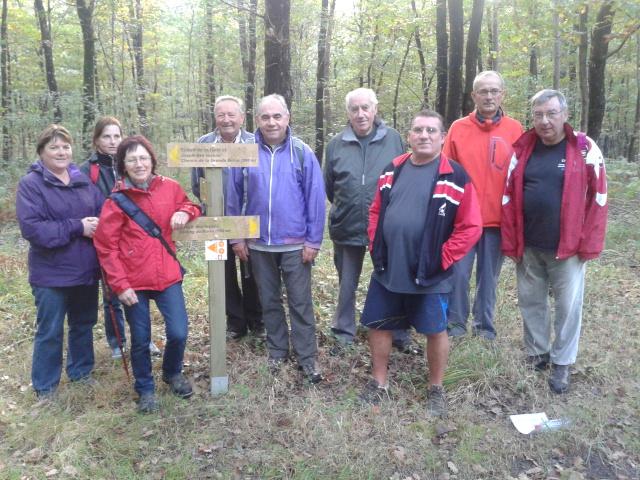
(140, 267)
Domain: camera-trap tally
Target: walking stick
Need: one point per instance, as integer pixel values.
(112, 314)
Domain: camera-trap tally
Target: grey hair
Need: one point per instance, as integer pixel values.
(224, 98)
(370, 94)
(543, 96)
(274, 96)
(487, 73)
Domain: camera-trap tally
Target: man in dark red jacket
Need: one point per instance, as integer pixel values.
(554, 216)
(424, 217)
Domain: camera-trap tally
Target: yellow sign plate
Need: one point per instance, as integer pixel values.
(220, 228)
(212, 155)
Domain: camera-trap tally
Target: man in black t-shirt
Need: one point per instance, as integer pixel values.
(553, 219)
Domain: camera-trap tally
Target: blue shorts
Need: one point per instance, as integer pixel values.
(385, 310)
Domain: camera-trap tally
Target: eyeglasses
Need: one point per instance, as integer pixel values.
(429, 130)
(133, 160)
(485, 93)
(551, 115)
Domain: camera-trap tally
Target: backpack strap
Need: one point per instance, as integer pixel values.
(134, 212)
(94, 172)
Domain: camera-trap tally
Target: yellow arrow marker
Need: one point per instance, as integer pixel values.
(253, 228)
(174, 156)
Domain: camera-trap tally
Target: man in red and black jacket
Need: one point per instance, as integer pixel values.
(554, 217)
(424, 217)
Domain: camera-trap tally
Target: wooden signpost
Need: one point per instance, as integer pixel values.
(213, 157)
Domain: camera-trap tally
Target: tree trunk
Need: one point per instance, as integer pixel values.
(456, 48)
(472, 54)
(634, 143)
(423, 63)
(136, 31)
(5, 143)
(597, 65)
(85, 15)
(47, 50)
(210, 68)
(321, 77)
(583, 84)
(397, 91)
(328, 113)
(247, 35)
(442, 53)
(556, 44)
(494, 46)
(277, 49)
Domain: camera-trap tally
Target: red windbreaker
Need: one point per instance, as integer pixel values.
(583, 213)
(128, 255)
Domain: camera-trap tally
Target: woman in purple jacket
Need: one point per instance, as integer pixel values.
(57, 208)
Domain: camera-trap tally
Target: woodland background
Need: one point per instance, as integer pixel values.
(158, 65)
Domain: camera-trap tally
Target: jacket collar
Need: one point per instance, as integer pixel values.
(443, 169)
(349, 135)
(486, 123)
(530, 137)
(76, 177)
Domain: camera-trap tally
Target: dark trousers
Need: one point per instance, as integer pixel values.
(243, 306)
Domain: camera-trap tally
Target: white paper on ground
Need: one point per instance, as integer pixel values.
(527, 422)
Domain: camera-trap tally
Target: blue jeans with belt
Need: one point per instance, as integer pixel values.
(80, 305)
(170, 302)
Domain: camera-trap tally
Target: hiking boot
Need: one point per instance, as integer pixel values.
(179, 384)
(260, 333)
(341, 349)
(436, 402)
(560, 378)
(409, 348)
(311, 373)
(154, 350)
(373, 393)
(147, 403)
(87, 380)
(274, 364)
(231, 335)
(538, 362)
(45, 396)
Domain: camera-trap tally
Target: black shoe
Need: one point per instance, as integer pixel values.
(538, 362)
(231, 335)
(147, 403)
(260, 333)
(341, 349)
(179, 384)
(311, 373)
(560, 378)
(274, 364)
(409, 348)
(436, 402)
(373, 393)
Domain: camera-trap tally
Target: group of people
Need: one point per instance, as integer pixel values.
(482, 191)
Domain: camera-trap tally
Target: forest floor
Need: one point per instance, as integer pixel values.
(273, 427)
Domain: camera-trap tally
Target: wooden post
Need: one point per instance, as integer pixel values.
(217, 306)
(213, 157)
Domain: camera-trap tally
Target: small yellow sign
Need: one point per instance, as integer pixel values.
(215, 250)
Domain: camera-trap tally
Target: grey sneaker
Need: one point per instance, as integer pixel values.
(560, 378)
(154, 350)
(436, 402)
(148, 403)
(179, 384)
(312, 373)
(87, 380)
(409, 348)
(373, 393)
(274, 364)
(116, 353)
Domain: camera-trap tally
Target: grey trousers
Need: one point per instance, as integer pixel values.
(270, 269)
(538, 271)
(348, 260)
(488, 266)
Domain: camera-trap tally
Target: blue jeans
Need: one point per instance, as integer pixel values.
(110, 302)
(80, 305)
(170, 302)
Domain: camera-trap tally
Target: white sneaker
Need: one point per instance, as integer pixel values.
(116, 353)
(154, 350)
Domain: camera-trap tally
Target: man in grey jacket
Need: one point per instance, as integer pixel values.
(244, 312)
(354, 160)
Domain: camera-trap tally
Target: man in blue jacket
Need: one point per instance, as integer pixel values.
(287, 192)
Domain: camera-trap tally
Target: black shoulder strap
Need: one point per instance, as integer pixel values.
(134, 212)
